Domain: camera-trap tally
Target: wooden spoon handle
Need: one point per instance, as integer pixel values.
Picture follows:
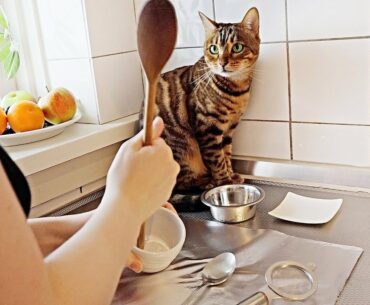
(141, 239)
(149, 112)
(148, 137)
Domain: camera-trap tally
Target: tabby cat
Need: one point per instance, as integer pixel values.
(201, 105)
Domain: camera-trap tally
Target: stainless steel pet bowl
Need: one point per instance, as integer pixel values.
(233, 203)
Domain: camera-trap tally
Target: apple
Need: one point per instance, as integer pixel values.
(16, 96)
(59, 106)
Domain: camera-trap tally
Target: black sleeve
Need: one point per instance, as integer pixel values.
(17, 180)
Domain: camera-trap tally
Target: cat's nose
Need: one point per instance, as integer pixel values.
(223, 64)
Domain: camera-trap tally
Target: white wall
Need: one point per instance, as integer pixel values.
(311, 92)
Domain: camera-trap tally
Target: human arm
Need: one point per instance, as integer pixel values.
(87, 267)
(52, 232)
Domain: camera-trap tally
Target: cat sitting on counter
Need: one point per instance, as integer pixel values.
(202, 104)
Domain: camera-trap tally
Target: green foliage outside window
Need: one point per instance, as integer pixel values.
(9, 55)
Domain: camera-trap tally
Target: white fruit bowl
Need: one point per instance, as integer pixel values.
(37, 135)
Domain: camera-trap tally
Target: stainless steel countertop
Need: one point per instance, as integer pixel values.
(351, 226)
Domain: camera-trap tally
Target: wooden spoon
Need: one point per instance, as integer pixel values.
(156, 38)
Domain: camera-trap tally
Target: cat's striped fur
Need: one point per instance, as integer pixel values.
(202, 105)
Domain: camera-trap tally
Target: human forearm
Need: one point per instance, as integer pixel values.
(52, 232)
(85, 269)
(94, 258)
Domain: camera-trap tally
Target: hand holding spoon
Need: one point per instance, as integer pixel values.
(156, 38)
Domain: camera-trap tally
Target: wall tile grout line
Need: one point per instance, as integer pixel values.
(291, 41)
(272, 42)
(184, 48)
(135, 11)
(214, 9)
(266, 121)
(196, 47)
(336, 124)
(294, 41)
(289, 83)
(118, 53)
(305, 122)
(329, 39)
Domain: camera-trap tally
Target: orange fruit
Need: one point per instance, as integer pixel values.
(3, 121)
(25, 116)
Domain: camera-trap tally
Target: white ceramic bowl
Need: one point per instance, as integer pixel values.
(164, 237)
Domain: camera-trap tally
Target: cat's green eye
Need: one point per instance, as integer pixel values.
(238, 47)
(213, 49)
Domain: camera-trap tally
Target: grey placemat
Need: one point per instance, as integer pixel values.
(255, 250)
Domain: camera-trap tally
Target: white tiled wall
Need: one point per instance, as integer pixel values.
(90, 47)
(270, 72)
(111, 26)
(311, 90)
(332, 144)
(330, 81)
(183, 57)
(272, 16)
(63, 29)
(114, 95)
(262, 139)
(322, 19)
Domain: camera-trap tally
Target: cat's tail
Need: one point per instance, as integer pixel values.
(187, 203)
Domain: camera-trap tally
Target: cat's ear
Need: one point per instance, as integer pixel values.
(251, 21)
(209, 25)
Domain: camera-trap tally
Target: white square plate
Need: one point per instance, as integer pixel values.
(307, 210)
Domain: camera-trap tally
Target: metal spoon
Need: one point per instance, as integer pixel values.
(215, 272)
(156, 38)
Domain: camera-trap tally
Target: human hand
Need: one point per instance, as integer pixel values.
(143, 177)
(170, 207)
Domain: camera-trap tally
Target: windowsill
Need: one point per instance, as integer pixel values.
(75, 141)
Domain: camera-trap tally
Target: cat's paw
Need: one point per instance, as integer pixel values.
(237, 179)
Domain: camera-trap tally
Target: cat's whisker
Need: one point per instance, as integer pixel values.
(199, 78)
(208, 81)
(207, 77)
(198, 83)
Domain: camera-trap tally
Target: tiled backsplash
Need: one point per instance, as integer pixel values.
(311, 92)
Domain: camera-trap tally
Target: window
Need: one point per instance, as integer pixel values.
(79, 46)
(24, 27)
